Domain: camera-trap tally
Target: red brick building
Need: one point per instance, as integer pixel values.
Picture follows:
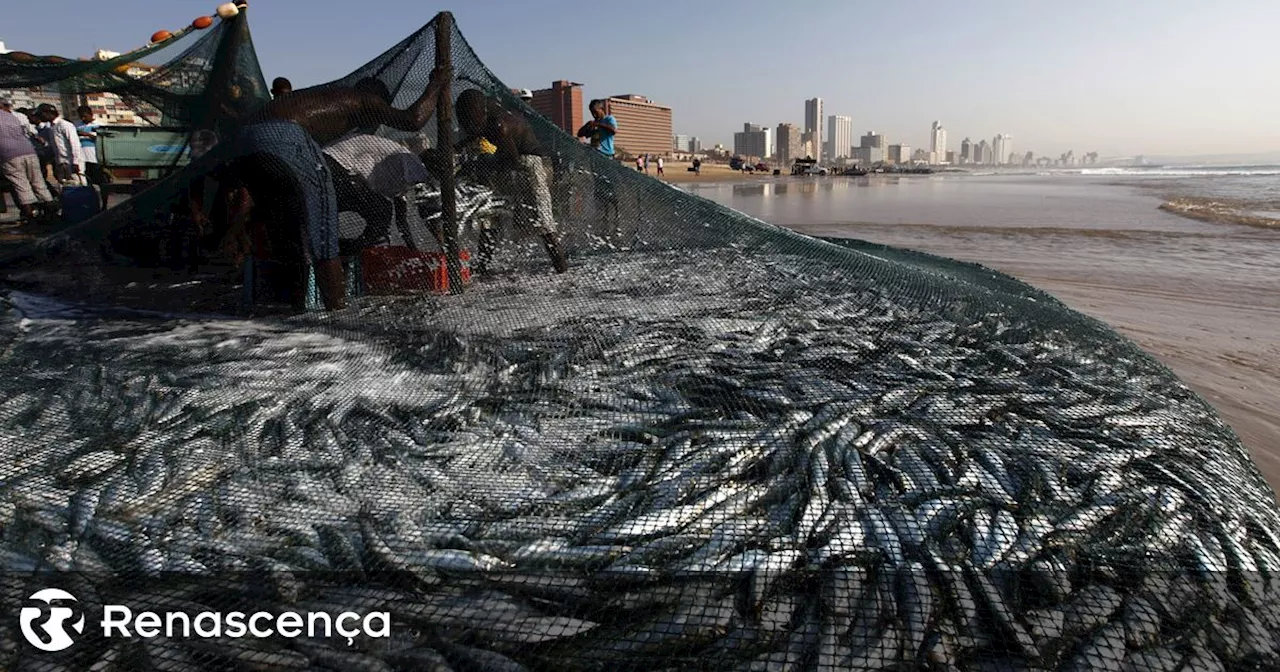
(562, 104)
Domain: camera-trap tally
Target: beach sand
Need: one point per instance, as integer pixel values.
(677, 173)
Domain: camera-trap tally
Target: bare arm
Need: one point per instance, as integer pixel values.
(586, 129)
(413, 118)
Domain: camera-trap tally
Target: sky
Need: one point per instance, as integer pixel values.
(1128, 77)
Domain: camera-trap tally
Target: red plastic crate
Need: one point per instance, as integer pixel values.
(399, 270)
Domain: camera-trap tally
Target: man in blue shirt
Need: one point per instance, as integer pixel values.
(600, 130)
(88, 132)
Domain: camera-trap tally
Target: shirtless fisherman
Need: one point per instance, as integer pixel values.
(277, 159)
(518, 165)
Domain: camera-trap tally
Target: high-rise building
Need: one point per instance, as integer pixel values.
(811, 143)
(899, 154)
(938, 141)
(951, 157)
(966, 151)
(790, 146)
(695, 145)
(680, 143)
(1001, 148)
(839, 137)
(644, 127)
(1029, 159)
(752, 141)
(813, 124)
(562, 104)
(871, 149)
(982, 153)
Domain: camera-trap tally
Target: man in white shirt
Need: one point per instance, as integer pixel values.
(68, 158)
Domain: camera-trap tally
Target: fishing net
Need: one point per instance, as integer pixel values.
(711, 444)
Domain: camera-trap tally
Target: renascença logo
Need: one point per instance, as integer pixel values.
(58, 637)
(119, 620)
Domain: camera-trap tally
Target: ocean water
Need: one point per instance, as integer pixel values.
(1094, 221)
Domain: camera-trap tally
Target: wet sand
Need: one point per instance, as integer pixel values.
(1202, 298)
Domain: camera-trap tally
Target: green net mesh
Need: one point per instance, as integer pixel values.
(711, 444)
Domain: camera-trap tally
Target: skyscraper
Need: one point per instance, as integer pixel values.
(938, 142)
(813, 124)
(680, 143)
(789, 144)
(982, 153)
(1001, 148)
(752, 142)
(966, 151)
(839, 137)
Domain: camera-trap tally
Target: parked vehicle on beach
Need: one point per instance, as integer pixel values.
(137, 155)
(807, 167)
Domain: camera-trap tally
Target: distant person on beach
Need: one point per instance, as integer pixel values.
(601, 130)
(280, 87)
(660, 166)
(518, 168)
(697, 166)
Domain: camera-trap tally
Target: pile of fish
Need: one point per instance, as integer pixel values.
(725, 459)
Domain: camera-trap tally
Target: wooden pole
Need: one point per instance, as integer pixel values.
(444, 134)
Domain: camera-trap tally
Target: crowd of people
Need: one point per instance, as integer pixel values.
(41, 154)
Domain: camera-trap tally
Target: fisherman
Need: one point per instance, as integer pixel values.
(19, 165)
(68, 158)
(517, 162)
(280, 87)
(282, 176)
(87, 129)
(600, 131)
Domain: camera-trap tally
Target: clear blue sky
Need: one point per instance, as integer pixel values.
(1121, 78)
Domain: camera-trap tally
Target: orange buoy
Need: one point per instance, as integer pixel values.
(122, 69)
(202, 22)
(161, 36)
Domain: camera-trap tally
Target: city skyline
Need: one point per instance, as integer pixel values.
(1144, 77)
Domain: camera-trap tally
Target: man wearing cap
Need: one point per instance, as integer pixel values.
(19, 164)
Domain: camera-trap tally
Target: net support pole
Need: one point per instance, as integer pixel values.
(444, 136)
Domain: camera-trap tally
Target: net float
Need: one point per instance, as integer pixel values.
(202, 22)
(227, 10)
(160, 36)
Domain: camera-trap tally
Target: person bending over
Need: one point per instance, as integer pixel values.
(517, 164)
(283, 140)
